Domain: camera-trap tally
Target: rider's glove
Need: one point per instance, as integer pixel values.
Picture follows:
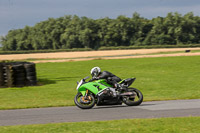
(95, 78)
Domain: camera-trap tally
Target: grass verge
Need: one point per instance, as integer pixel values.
(163, 78)
(158, 125)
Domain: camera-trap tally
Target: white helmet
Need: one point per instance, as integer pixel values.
(95, 71)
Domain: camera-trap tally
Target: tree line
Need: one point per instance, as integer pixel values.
(81, 32)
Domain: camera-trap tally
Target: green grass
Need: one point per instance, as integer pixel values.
(162, 78)
(159, 125)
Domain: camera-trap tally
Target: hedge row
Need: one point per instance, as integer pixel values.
(101, 48)
(44, 51)
(150, 47)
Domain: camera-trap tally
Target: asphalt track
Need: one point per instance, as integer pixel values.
(155, 109)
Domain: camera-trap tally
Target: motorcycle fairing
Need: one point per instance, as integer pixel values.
(101, 84)
(95, 87)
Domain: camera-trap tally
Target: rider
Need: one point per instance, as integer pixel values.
(108, 76)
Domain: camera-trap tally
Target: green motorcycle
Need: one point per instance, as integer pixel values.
(101, 93)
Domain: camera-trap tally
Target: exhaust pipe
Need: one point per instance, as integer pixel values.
(132, 94)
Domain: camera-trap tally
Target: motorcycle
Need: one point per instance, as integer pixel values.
(101, 93)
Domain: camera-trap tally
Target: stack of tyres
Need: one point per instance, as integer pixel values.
(8, 75)
(1, 75)
(30, 70)
(19, 75)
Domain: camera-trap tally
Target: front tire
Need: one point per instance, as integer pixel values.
(133, 101)
(89, 103)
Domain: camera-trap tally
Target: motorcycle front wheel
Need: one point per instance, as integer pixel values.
(84, 102)
(133, 101)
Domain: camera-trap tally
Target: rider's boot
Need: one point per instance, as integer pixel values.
(118, 86)
(114, 93)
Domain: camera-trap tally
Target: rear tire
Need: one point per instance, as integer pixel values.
(84, 105)
(133, 101)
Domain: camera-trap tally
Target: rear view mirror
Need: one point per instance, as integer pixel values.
(86, 77)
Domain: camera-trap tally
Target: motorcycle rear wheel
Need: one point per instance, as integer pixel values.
(133, 101)
(90, 100)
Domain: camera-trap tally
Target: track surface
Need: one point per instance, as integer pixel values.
(155, 109)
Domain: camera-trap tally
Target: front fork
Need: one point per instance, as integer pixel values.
(86, 97)
(86, 93)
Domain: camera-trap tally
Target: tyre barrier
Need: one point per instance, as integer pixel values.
(17, 74)
(1, 75)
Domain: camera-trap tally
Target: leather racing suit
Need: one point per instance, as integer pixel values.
(110, 78)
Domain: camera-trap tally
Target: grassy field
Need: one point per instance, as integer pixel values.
(160, 125)
(162, 78)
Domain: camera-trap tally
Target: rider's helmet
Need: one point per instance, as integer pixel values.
(95, 71)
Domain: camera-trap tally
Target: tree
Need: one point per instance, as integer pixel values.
(82, 32)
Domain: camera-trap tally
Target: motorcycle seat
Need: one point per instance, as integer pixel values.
(128, 81)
